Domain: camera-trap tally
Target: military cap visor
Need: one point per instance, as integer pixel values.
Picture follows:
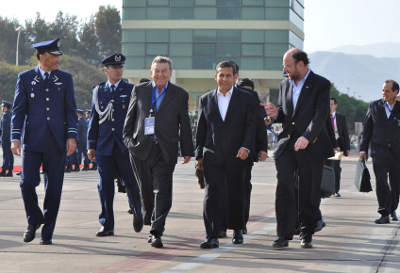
(6, 103)
(88, 111)
(80, 111)
(114, 60)
(52, 47)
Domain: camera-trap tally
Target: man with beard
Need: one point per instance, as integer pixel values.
(303, 144)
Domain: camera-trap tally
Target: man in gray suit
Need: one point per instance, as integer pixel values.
(156, 120)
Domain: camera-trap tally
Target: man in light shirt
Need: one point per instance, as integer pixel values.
(382, 130)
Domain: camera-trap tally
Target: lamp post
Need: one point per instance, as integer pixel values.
(19, 29)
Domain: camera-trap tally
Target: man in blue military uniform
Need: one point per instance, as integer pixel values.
(8, 158)
(86, 160)
(44, 114)
(105, 145)
(82, 140)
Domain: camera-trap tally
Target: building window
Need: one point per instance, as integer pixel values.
(134, 14)
(277, 14)
(204, 49)
(204, 35)
(205, 2)
(252, 50)
(181, 3)
(253, 2)
(157, 2)
(133, 35)
(180, 49)
(133, 49)
(275, 50)
(228, 35)
(253, 14)
(157, 35)
(228, 3)
(157, 13)
(156, 49)
(181, 13)
(277, 36)
(252, 36)
(134, 62)
(134, 3)
(228, 49)
(204, 63)
(252, 63)
(182, 62)
(181, 35)
(229, 13)
(205, 13)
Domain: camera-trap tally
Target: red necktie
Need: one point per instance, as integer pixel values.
(333, 123)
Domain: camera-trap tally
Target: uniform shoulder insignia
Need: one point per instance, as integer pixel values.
(98, 84)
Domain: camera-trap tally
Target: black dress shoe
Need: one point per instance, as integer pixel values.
(222, 234)
(237, 237)
(45, 241)
(210, 243)
(394, 216)
(305, 244)
(156, 241)
(9, 174)
(319, 225)
(280, 242)
(130, 211)
(384, 219)
(137, 223)
(103, 232)
(30, 233)
(3, 173)
(244, 231)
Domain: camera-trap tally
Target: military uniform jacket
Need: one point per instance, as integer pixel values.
(101, 137)
(40, 110)
(82, 131)
(5, 127)
(381, 131)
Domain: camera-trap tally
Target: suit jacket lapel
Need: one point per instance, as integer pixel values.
(289, 99)
(38, 77)
(382, 109)
(304, 91)
(53, 78)
(235, 97)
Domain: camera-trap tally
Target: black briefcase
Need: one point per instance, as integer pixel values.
(362, 180)
(328, 182)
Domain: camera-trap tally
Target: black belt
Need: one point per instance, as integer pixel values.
(155, 141)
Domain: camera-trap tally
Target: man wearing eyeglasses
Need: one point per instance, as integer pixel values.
(302, 146)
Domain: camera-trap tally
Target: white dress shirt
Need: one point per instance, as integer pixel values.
(42, 73)
(391, 108)
(335, 124)
(223, 102)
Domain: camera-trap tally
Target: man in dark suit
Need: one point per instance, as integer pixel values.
(156, 121)
(303, 144)
(259, 149)
(44, 114)
(5, 129)
(339, 126)
(105, 145)
(382, 130)
(226, 129)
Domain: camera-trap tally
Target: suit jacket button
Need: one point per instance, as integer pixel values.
(47, 99)
(113, 129)
(48, 118)
(288, 136)
(293, 123)
(47, 108)
(47, 89)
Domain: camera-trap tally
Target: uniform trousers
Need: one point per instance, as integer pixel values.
(108, 166)
(388, 197)
(8, 157)
(53, 175)
(155, 180)
(220, 180)
(310, 176)
(81, 148)
(247, 189)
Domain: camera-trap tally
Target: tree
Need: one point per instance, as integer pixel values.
(108, 30)
(8, 79)
(89, 42)
(66, 28)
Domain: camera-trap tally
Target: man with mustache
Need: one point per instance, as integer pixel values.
(43, 130)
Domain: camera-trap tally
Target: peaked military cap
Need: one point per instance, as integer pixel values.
(88, 111)
(53, 47)
(80, 111)
(6, 103)
(116, 59)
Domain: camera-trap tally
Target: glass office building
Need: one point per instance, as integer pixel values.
(198, 34)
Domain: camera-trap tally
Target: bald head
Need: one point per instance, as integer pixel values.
(295, 62)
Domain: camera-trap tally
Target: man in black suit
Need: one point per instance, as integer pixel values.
(259, 149)
(303, 144)
(157, 119)
(226, 129)
(382, 130)
(339, 126)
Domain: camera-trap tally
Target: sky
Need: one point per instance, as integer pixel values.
(328, 23)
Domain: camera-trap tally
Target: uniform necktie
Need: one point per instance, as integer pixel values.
(46, 80)
(333, 123)
(112, 88)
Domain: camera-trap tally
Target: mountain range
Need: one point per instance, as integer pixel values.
(361, 73)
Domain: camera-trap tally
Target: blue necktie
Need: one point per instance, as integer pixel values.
(112, 88)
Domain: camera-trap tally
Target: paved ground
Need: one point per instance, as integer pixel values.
(350, 242)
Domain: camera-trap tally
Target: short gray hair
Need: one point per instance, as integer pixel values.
(162, 59)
